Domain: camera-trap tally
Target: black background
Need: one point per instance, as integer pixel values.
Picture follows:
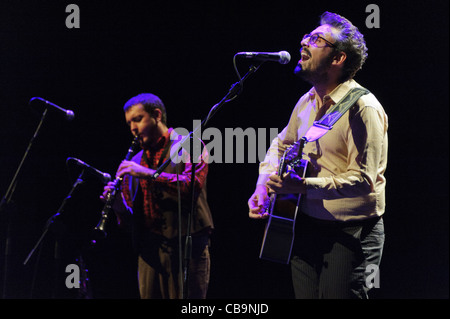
(182, 51)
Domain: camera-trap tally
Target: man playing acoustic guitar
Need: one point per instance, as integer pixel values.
(339, 227)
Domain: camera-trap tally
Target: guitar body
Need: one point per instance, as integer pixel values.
(280, 228)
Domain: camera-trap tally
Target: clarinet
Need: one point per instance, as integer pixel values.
(107, 209)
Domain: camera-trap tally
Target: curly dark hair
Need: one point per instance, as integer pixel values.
(349, 40)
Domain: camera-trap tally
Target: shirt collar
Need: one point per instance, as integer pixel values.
(338, 93)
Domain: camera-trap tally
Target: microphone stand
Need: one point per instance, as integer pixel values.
(50, 222)
(234, 91)
(6, 200)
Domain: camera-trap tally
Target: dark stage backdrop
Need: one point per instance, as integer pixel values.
(183, 52)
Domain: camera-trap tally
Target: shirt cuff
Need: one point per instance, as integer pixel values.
(262, 179)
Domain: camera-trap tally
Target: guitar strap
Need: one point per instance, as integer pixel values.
(321, 127)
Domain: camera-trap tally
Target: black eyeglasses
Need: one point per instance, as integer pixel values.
(314, 37)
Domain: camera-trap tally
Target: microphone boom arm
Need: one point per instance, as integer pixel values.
(234, 91)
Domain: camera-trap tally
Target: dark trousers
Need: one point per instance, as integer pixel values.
(158, 266)
(336, 260)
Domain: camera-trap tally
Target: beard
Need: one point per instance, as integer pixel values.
(150, 137)
(315, 74)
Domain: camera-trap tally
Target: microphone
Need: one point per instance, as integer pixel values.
(105, 177)
(69, 113)
(282, 57)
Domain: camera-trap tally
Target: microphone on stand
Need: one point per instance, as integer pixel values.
(69, 113)
(105, 177)
(282, 57)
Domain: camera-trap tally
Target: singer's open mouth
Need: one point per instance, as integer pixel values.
(305, 54)
(305, 57)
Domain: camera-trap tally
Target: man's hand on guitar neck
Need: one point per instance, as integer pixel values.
(289, 183)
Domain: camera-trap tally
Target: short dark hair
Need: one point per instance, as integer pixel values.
(150, 103)
(349, 40)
